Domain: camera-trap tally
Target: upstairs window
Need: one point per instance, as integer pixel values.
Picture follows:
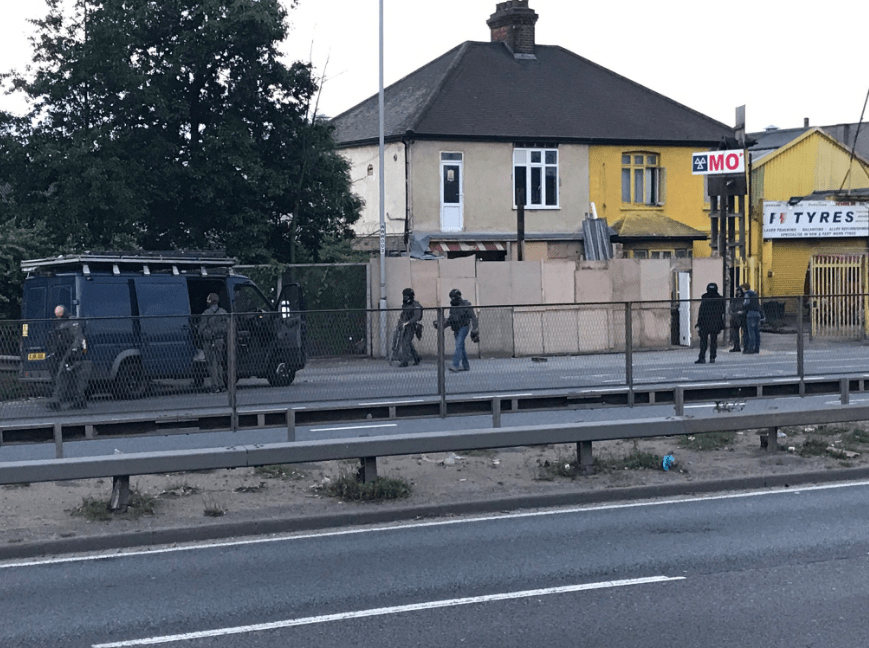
(536, 172)
(642, 179)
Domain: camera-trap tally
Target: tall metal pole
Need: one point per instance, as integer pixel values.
(382, 201)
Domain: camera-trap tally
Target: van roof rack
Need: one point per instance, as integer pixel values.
(132, 261)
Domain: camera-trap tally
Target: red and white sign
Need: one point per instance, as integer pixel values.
(718, 162)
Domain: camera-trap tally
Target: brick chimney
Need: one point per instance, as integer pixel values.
(513, 24)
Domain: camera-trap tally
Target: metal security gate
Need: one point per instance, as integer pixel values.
(839, 300)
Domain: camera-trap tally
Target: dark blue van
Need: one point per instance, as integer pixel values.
(140, 313)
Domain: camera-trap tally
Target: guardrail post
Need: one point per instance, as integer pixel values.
(845, 391)
(629, 353)
(679, 400)
(367, 470)
(772, 439)
(496, 412)
(231, 371)
(801, 370)
(58, 440)
(584, 456)
(442, 382)
(120, 499)
(291, 425)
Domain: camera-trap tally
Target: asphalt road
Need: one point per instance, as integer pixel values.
(777, 568)
(324, 381)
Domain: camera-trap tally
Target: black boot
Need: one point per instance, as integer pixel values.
(700, 361)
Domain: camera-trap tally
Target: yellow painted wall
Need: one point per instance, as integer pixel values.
(814, 162)
(683, 198)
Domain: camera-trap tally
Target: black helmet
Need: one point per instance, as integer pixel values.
(455, 293)
(407, 293)
(712, 287)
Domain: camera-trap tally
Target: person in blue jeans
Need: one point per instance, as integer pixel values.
(462, 320)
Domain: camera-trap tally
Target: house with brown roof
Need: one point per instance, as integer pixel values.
(489, 124)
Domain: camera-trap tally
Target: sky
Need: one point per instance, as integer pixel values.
(779, 63)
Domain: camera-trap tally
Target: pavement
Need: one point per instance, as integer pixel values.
(44, 519)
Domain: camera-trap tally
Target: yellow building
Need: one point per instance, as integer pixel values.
(811, 165)
(651, 199)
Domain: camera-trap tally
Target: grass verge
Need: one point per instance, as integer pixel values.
(348, 488)
(94, 509)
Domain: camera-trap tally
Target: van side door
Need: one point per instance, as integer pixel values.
(164, 322)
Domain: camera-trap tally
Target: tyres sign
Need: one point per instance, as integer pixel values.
(815, 219)
(718, 162)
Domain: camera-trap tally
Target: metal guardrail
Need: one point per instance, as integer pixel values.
(368, 448)
(74, 428)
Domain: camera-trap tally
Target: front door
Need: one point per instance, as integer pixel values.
(684, 288)
(451, 192)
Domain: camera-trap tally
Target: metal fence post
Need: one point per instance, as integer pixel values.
(442, 384)
(231, 371)
(496, 412)
(291, 425)
(58, 440)
(629, 352)
(801, 369)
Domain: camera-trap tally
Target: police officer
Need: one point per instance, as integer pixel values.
(213, 325)
(411, 314)
(72, 371)
(753, 316)
(462, 320)
(710, 322)
(737, 318)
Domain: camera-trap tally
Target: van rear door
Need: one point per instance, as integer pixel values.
(164, 319)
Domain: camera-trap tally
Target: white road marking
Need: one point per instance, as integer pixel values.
(422, 525)
(398, 402)
(397, 609)
(354, 427)
(851, 401)
(502, 396)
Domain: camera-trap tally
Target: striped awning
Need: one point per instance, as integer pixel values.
(466, 246)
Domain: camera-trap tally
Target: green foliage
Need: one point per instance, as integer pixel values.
(97, 510)
(708, 441)
(348, 488)
(169, 125)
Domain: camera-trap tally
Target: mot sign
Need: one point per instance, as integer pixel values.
(718, 162)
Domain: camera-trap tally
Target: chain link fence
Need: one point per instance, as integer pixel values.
(153, 364)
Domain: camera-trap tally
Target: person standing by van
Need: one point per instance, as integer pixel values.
(411, 314)
(71, 372)
(213, 325)
(461, 320)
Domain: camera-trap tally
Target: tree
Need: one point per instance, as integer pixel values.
(175, 125)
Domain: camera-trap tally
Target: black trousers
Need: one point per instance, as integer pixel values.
(708, 339)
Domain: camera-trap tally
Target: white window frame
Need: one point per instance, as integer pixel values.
(539, 159)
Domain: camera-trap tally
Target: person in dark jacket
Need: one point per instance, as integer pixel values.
(213, 325)
(71, 369)
(737, 318)
(710, 322)
(411, 314)
(753, 315)
(462, 320)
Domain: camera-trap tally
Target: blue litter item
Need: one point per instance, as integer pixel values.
(669, 460)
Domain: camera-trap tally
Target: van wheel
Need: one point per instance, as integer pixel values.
(280, 373)
(130, 381)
